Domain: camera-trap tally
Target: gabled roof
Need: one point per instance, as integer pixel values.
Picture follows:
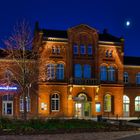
(108, 37)
(63, 34)
(130, 60)
(55, 33)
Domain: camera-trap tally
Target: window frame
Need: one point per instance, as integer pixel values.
(60, 71)
(137, 103)
(28, 104)
(56, 102)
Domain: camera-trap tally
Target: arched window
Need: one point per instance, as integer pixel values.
(125, 77)
(107, 103)
(55, 102)
(78, 71)
(103, 73)
(138, 78)
(60, 72)
(87, 71)
(137, 103)
(111, 73)
(89, 50)
(82, 49)
(28, 103)
(126, 99)
(75, 49)
(50, 71)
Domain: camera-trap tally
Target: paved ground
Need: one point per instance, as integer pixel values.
(134, 137)
(77, 136)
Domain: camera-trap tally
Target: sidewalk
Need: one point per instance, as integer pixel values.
(76, 136)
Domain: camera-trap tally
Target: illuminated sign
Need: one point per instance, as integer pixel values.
(7, 88)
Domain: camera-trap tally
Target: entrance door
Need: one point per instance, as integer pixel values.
(126, 103)
(82, 109)
(8, 108)
(78, 110)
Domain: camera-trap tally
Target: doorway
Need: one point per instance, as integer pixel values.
(82, 106)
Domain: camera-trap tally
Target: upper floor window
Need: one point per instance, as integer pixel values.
(55, 102)
(75, 49)
(58, 50)
(103, 73)
(89, 50)
(109, 53)
(87, 71)
(138, 78)
(53, 50)
(125, 77)
(50, 71)
(60, 72)
(77, 71)
(82, 49)
(111, 73)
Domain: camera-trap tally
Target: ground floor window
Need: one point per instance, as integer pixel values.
(137, 103)
(28, 103)
(7, 105)
(55, 102)
(107, 103)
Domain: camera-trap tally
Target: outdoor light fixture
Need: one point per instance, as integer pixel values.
(43, 106)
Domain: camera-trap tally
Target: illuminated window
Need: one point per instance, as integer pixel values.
(107, 103)
(87, 71)
(137, 103)
(111, 73)
(28, 104)
(77, 71)
(82, 49)
(103, 73)
(138, 78)
(89, 50)
(125, 77)
(126, 99)
(55, 102)
(75, 49)
(50, 71)
(60, 72)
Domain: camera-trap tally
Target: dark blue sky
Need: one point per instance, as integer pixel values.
(63, 14)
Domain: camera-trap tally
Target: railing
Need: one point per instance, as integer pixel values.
(83, 81)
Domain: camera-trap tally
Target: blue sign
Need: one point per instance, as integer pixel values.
(8, 88)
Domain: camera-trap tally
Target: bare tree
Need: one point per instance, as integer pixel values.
(19, 49)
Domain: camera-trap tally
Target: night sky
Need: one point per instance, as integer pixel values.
(63, 14)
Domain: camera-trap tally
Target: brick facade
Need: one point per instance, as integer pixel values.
(79, 97)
